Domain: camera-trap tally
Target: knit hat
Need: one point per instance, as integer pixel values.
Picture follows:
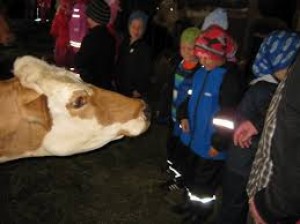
(189, 35)
(216, 17)
(99, 11)
(138, 15)
(277, 51)
(215, 43)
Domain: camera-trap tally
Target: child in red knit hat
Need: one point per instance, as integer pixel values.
(215, 92)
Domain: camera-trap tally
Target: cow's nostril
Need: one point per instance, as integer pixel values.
(147, 112)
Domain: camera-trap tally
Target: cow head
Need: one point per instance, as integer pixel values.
(80, 117)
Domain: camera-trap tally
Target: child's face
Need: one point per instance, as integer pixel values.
(187, 52)
(210, 64)
(136, 29)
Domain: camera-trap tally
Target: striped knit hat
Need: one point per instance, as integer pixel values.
(277, 51)
(215, 43)
(99, 11)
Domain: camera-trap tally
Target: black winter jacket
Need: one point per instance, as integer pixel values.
(253, 107)
(255, 103)
(134, 67)
(95, 58)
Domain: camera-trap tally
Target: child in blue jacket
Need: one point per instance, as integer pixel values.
(216, 90)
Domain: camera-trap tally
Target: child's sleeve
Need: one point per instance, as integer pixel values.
(255, 103)
(231, 92)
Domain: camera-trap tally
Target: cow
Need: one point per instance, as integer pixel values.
(49, 111)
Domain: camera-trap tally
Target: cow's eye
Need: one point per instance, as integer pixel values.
(79, 102)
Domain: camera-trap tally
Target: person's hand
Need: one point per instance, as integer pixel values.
(136, 94)
(254, 213)
(185, 125)
(243, 134)
(213, 152)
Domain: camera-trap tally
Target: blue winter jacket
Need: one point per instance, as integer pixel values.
(202, 106)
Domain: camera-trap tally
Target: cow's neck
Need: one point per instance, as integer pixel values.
(24, 119)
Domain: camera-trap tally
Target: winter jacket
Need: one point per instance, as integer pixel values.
(253, 107)
(215, 92)
(95, 58)
(134, 67)
(256, 101)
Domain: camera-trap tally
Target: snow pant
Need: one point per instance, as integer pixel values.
(202, 176)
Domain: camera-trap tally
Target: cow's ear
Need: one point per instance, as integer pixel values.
(78, 100)
(29, 95)
(35, 112)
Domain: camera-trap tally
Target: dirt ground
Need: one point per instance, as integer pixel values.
(116, 184)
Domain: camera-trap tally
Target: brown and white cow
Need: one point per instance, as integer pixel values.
(49, 111)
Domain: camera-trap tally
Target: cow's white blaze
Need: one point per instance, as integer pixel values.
(73, 135)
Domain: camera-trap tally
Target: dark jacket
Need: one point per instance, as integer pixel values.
(255, 103)
(280, 199)
(134, 67)
(95, 58)
(253, 107)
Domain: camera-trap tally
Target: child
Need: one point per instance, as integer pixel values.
(181, 83)
(134, 64)
(275, 55)
(95, 58)
(215, 91)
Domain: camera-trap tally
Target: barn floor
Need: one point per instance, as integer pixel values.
(116, 184)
